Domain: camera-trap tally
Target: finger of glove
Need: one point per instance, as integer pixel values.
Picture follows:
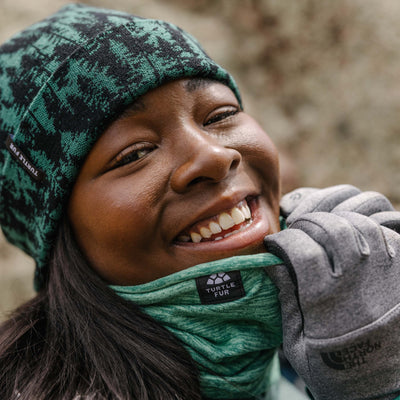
(344, 245)
(371, 287)
(360, 288)
(292, 316)
(310, 272)
(390, 219)
(378, 271)
(323, 200)
(289, 303)
(379, 252)
(304, 258)
(366, 203)
(292, 199)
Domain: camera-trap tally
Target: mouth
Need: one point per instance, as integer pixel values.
(220, 226)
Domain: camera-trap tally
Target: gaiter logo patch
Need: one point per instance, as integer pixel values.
(220, 288)
(350, 357)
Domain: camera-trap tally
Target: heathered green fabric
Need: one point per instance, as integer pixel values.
(61, 82)
(236, 340)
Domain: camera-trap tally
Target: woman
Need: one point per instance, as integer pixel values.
(132, 176)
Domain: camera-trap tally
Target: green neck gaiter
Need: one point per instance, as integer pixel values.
(226, 313)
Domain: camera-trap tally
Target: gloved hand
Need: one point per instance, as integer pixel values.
(335, 198)
(340, 301)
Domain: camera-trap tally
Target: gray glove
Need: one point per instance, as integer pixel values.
(339, 290)
(335, 198)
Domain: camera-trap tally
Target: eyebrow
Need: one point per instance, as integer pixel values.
(191, 85)
(135, 107)
(198, 83)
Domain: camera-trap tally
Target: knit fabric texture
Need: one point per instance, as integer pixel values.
(227, 315)
(62, 81)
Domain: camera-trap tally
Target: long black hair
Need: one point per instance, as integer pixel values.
(77, 339)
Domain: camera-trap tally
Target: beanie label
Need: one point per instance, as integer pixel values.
(23, 160)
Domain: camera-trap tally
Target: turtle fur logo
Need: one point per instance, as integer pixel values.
(351, 357)
(23, 160)
(215, 279)
(220, 288)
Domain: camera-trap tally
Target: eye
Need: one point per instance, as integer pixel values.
(132, 153)
(220, 115)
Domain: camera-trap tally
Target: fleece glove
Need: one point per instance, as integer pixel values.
(335, 198)
(340, 302)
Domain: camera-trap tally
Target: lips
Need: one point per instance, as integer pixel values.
(219, 226)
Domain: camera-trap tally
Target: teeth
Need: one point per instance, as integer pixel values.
(246, 211)
(215, 228)
(206, 233)
(183, 238)
(196, 238)
(226, 221)
(237, 230)
(237, 216)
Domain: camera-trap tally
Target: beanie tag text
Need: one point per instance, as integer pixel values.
(23, 160)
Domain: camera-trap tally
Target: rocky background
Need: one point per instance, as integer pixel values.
(322, 77)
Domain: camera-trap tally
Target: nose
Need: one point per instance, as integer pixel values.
(203, 159)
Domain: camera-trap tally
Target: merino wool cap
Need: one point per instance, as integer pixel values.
(62, 81)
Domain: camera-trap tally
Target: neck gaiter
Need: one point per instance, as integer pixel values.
(226, 313)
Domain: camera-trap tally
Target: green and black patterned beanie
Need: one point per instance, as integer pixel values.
(62, 81)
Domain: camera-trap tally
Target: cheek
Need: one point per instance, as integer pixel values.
(254, 143)
(110, 218)
(260, 153)
(262, 162)
(264, 154)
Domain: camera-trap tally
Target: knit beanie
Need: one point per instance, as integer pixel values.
(62, 81)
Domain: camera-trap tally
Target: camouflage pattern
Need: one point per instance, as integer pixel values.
(61, 82)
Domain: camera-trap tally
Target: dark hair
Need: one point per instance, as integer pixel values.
(77, 339)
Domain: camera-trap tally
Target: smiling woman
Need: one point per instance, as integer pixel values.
(146, 195)
(148, 167)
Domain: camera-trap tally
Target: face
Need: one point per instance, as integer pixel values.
(181, 178)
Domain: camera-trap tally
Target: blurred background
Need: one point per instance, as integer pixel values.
(321, 76)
